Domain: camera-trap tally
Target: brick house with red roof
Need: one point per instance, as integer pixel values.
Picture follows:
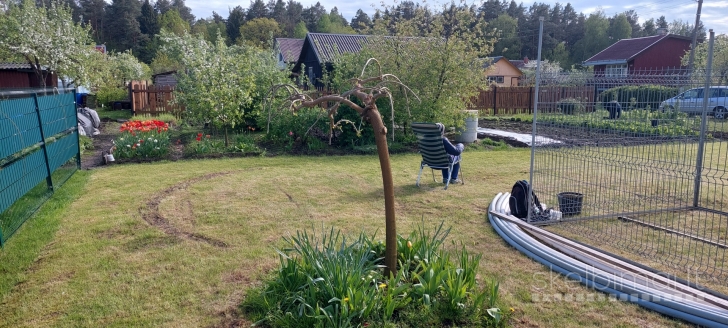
(646, 55)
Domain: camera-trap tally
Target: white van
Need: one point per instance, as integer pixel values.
(691, 101)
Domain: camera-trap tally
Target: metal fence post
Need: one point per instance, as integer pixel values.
(49, 178)
(703, 123)
(535, 112)
(78, 135)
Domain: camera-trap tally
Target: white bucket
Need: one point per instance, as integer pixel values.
(470, 132)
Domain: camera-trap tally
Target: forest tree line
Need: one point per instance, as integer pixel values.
(569, 37)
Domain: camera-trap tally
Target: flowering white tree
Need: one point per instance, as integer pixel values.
(220, 82)
(48, 39)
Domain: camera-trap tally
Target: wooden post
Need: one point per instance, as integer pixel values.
(495, 100)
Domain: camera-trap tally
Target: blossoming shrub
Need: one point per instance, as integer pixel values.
(142, 139)
(333, 281)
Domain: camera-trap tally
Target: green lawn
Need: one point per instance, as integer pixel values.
(178, 244)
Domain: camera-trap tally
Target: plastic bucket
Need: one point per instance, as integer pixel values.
(470, 132)
(570, 203)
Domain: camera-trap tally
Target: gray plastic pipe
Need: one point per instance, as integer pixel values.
(612, 281)
(653, 299)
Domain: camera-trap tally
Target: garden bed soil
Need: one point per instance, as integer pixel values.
(101, 143)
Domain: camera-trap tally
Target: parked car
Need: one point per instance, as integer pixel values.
(691, 101)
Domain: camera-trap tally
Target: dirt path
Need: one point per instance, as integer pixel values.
(101, 143)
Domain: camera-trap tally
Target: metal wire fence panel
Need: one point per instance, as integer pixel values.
(18, 125)
(640, 169)
(38, 152)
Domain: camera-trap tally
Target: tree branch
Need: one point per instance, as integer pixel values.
(335, 98)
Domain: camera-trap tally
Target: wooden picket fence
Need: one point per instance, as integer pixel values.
(153, 100)
(519, 100)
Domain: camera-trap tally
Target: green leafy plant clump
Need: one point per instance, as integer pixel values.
(669, 123)
(331, 281)
(205, 144)
(571, 106)
(109, 94)
(638, 96)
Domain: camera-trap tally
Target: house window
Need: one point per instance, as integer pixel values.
(615, 70)
(311, 76)
(496, 78)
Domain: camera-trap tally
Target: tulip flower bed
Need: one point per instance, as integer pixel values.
(142, 139)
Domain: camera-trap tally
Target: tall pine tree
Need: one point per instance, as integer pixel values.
(236, 18)
(148, 23)
(184, 12)
(122, 32)
(94, 13)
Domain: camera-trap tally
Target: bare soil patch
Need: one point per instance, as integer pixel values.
(101, 143)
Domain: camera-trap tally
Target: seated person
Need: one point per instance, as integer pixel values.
(454, 151)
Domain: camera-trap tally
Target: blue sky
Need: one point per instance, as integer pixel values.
(713, 14)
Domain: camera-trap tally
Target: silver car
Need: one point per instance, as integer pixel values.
(691, 101)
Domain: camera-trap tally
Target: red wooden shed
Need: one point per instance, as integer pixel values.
(656, 54)
(15, 76)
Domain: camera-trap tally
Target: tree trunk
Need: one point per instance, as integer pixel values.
(226, 137)
(380, 136)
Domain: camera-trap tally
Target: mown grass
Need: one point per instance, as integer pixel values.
(102, 264)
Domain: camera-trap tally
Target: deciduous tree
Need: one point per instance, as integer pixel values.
(172, 22)
(508, 44)
(366, 90)
(220, 82)
(259, 33)
(720, 58)
(620, 28)
(47, 39)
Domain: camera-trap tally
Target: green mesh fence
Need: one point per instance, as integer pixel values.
(39, 151)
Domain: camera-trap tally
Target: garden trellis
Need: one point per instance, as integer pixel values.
(650, 182)
(39, 151)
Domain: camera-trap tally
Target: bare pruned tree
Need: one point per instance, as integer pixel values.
(367, 90)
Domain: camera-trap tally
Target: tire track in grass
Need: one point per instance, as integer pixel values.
(152, 215)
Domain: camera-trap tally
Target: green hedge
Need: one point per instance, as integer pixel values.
(571, 106)
(638, 96)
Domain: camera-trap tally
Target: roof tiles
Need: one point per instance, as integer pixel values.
(626, 49)
(290, 48)
(327, 46)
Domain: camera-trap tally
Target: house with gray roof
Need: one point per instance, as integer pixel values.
(319, 49)
(287, 50)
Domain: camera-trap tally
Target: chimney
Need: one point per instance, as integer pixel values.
(525, 60)
(661, 31)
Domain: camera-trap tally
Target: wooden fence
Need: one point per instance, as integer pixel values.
(152, 100)
(519, 100)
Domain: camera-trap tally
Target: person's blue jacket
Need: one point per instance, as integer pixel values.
(453, 150)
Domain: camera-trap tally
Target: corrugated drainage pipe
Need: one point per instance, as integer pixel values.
(651, 298)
